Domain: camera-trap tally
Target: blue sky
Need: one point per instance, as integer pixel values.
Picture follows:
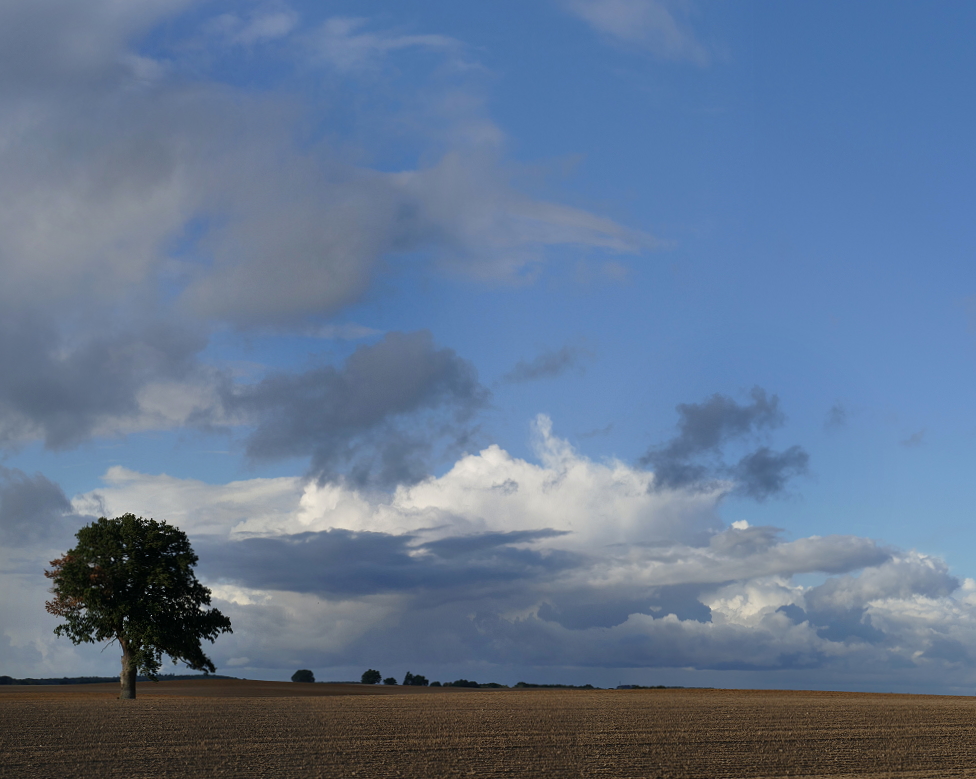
(581, 340)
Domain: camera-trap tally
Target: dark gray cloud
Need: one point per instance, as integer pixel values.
(472, 546)
(837, 624)
(580, 609)
(545, 365)
(55, 44)
(30, 506)
(704, 427)
(129, 183)
(375, 420)
(62, 390)
(693, 458)
(764, 472)
(346, 563)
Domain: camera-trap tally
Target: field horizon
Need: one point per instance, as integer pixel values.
(293, 730)
(262, 688)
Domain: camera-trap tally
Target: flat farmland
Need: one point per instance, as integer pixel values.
(265, 729)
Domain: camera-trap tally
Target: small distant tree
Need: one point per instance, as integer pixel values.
(415, 680)
(7, 680)
(389, 680)
(131, 580)
(435, 684)
(372, 676)
(303, 675)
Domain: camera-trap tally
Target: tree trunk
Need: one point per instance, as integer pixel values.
(128, 676)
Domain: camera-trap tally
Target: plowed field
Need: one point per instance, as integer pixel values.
(241, 730)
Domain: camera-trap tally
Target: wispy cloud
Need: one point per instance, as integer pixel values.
(659, 26)
(342, 332)
(914, 440)
(257, 27)
(836, 417)
(346, 44)
(546, 365)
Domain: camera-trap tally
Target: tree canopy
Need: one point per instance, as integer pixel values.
(371, 676)
(415, 680)
(303, 675)
(131, 580)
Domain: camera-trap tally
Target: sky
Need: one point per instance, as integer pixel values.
(566, 341)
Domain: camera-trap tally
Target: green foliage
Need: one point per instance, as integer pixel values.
(435, 684)
(303, 675)
(389, 680)
(415, 680)
(372, 676)
(131, 580)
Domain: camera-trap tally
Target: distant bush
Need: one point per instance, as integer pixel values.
(462, 683)
(435, 684)
(493, 686)
(389, 680)
(415, 680)
(303, 675)
(372, 676)
(528, 686)
(7, 680)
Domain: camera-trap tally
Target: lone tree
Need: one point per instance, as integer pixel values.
(372, 676)
(131, 580)
(303, 675)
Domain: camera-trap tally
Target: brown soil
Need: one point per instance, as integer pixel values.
(215, 688)
(211, 728)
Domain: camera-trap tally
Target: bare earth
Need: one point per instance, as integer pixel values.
(270, 729)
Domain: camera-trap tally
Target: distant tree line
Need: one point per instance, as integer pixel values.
(372, 676)
(655, 687)
(106, 679)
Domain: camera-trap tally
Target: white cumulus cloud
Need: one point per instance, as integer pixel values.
(560, 562)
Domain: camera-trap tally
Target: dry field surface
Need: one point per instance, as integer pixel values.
(267, 729)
